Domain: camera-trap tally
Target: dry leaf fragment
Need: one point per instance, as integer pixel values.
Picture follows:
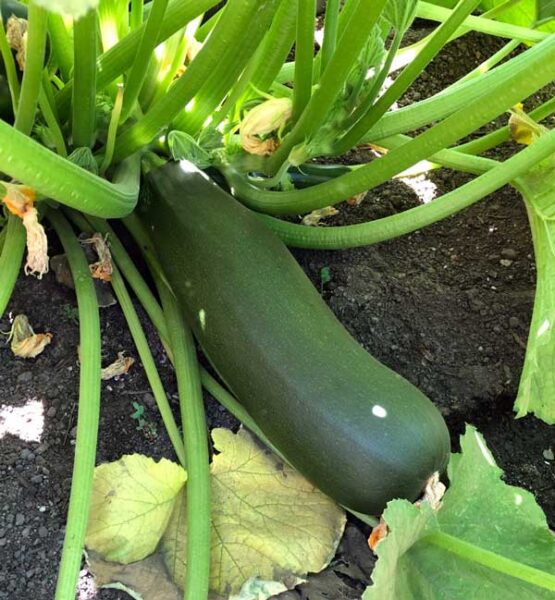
(314, 218)
(25, 343)
(433, 492)
(19, 200)
(102, 268)
(379, 532)
(262, 120)
(119, 367)
(16, 34)
(356, 200)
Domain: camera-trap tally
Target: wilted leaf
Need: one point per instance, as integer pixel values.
(146, 579)
(132, 502)
(25, 343)
(258, 589)
(479, 512)
(267, 520)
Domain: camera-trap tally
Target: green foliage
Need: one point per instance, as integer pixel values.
(486, 536)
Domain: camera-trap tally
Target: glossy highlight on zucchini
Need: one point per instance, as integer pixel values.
(353, 427)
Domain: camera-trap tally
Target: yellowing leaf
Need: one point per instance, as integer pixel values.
(132, 502)
(267, 520)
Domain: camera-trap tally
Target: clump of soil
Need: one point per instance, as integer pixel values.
(448, 307)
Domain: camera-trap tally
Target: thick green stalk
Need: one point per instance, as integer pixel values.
(139, 69)
(350, 45)
(215, 55)
(136, 14)
(350, 236)
(452, 98)
(24, 159)
(276, 46)
(11, 257)
(61, 44)
(366, 120)
(304, 52)
(9, 66)
(84, 80)
(32, 75)
(266, 63)
(481, 24)
(88, 410)
(331, 26)
(518, 84)
(238, 17)
(119, 58)
(196, 446)
(491, 560)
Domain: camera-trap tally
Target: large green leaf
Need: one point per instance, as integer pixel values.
(488, 540)
(71, 8)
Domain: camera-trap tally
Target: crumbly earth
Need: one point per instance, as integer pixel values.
(448, 307)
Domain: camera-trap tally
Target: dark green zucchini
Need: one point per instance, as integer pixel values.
(356, 429)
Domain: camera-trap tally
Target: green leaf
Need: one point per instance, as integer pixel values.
(522, 13)
(400, 13)
(536, 391)
(267, 520)
(184, 147)
(545, 10)
(133, 499)
(84, 158)
(487, 537)
(71, 8)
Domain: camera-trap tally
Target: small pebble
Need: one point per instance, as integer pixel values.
(509, 253)
(19, 520)
(26, 454)
(51, 412)
(25, 377)
(149, 400)
(548, 454)
(505, 262)
(43, 532)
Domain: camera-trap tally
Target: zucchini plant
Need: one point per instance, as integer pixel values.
(97, 92)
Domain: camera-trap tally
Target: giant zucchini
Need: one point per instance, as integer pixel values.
(356, 429)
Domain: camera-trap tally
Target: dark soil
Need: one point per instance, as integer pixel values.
(447, 307)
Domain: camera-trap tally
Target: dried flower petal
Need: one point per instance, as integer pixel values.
(314, 218)
(19, 200)
(25, 343)
(260, 122)
(119, 367)
(102, 269)
(16, 34)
